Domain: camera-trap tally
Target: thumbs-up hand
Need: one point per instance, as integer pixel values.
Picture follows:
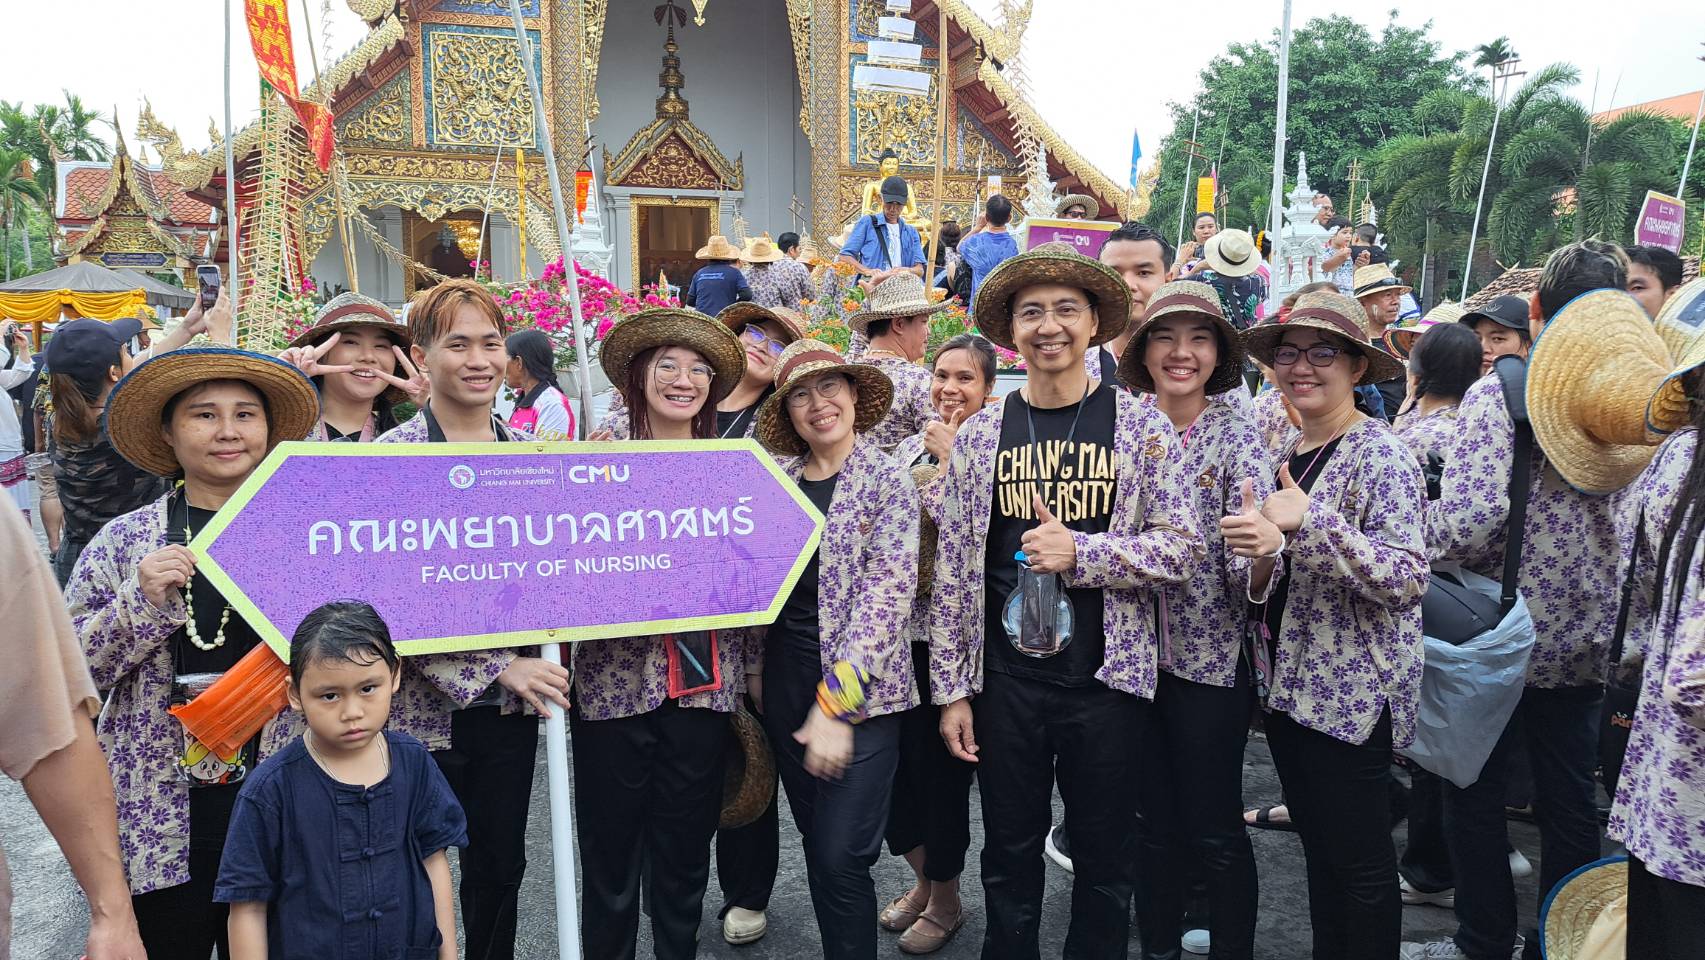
(938, 436)
(1288, 505)
(1049, 547)
(1247, 532)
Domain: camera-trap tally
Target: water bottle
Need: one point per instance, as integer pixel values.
(1038, 614)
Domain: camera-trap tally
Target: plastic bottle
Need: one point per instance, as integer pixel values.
(1038, 614)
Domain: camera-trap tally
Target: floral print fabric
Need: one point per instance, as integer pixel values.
(911, 409)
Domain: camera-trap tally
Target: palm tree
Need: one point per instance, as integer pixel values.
(17, 186)
(74, 134)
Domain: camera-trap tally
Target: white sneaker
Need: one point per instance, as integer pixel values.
(740, 926)
(1196, 942)
(1446, 949)
(1058, 847)
(1414, 897)
(1519, 865)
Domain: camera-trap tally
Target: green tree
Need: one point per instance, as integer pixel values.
(1350, 91)
(18, 188)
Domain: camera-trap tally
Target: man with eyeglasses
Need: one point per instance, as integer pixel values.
(1083, 482)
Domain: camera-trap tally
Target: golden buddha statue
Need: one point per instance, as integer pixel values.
(871, 201)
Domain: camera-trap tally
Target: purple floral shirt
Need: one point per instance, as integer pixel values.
(1202, 620)
(784, 283)
(1153, 540)
(1659, 813)
(1568, 563)
(868, 573)
(1273, 425)
(1426, 434)
(911, 409)
(125, 639)
(1652, 496)
(1350, 643)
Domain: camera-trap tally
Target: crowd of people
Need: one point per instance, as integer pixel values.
(1193, 515)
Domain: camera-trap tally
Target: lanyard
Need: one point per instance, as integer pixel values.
(737, 428)
(1030, 417)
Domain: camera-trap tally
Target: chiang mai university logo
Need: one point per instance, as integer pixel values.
(461, 476)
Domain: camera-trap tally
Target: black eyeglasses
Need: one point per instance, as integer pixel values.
(1319, 355)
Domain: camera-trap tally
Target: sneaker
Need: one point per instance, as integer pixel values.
(1058, 847)
(1519, 865)
(1443, 898)
(1196, 942)
(1446, 949)
(741, 926)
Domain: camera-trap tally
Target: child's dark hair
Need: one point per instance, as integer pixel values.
(342, 630)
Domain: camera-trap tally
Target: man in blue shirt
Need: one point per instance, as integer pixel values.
(720, 282)
(989, 242)
(886, 242)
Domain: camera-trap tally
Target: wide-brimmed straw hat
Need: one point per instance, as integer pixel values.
(808, 358)
(674, 326)
(1401, 339)
(762, 250)
(1185, 298)
(1376, 278)
(1332, 312)
(132, 417)
(748, 772)
(1055, 263)
(737, 315)
(901, 295)
(1232, 253)
(348, 310)
(718, 248)
(1576, 904)
(1090, 205)
(1590, 381)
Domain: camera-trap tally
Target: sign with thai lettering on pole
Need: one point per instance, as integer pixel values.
(470, 546)
(1085, 236)
(1662, 221)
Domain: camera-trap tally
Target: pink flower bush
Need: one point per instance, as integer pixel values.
(543, 305)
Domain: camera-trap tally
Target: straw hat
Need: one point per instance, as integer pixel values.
(149, 322)
(923, 475)
(132, 417)
(1574, 905)
(1051, 263)
(748, 772)
(901, 295)
(806, 358)
(762, 250)
(1185, 298)
(737, 315)
(1332, 312)
(674, 326)
(1376, 278)
(1232, 253)
(1590, 379)
(1682, 320)
(1090, 205)
(1401, 339)
(718, 248)
(808, 254)
(348, 310)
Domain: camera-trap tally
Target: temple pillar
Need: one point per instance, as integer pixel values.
(828, 25)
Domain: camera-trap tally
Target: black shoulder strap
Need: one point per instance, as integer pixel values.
(1628, 589)
(1512, 374)
(881, 238)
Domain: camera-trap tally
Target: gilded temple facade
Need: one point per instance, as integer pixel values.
(741, 120)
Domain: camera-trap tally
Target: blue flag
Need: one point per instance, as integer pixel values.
(1136, 155)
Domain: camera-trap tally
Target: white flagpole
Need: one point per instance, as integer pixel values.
(556, 725)
(1276, 211)
(1190, 162)
(232, 281)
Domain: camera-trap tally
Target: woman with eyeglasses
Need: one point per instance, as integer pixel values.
(1338, 653)
(764, 333)
(650, 714)
(837, 669)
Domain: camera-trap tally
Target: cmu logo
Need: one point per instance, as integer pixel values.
(609, 473)
(461, 476)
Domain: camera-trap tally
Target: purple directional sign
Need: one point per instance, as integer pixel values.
(477, 546)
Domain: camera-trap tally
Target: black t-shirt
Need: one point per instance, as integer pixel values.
(797, 625)
(1305, 470)
(1393, 392)
(733, 424)
(1076, 475)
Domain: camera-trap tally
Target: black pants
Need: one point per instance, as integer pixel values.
(646, 787)
(840, 821)
(1032, 734)
(65, 560)
(490, 768)
(1190, 805)
(183, 922)
(932, 789)
(1666, 919)
(1340, 801)
(748, 857)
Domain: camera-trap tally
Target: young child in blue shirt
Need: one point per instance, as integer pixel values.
(337, 844)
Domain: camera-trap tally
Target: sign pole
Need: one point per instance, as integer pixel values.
(1190, 159)
(1276, 203)
(232, 282)
(556, 725)
(1687, 164)
(940, 139)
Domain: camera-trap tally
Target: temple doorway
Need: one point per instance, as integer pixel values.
(448, 245)
(667, 234)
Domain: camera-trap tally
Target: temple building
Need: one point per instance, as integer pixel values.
(127, 215)
(735, 117)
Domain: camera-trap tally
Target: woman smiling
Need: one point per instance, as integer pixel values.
(354, 353)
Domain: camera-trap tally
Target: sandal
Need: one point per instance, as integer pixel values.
(917, 941)
(1264, 820)
(900, 914)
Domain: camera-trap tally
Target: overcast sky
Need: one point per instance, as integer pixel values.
(112, 52)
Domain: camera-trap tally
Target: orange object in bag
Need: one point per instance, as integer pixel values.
(233, 710)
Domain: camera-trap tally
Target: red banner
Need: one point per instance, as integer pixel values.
(269, 34)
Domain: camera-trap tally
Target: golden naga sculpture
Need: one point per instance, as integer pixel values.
(871, 200)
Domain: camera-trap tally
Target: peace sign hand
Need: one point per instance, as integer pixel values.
(307, 359)
(418, 388)
(1049, 548)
